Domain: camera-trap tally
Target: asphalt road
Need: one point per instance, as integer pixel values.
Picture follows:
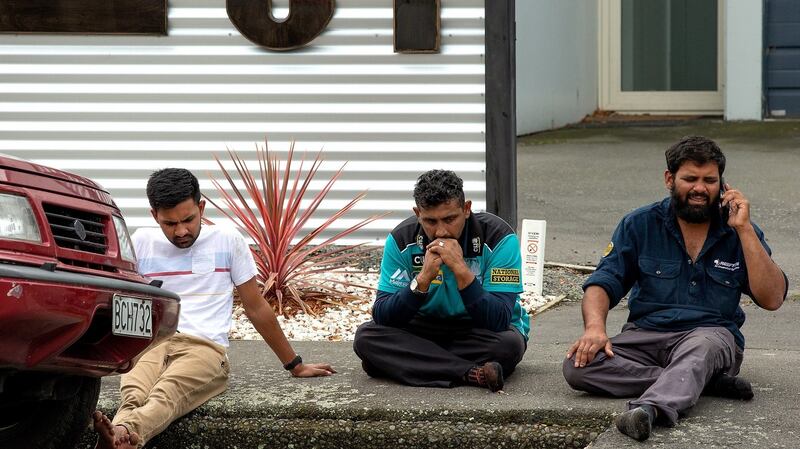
(582, 181)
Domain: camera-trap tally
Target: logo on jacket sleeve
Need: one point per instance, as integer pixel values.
(505, 276)
(609, 248)
(400, 278)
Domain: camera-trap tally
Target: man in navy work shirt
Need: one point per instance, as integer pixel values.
(447, 310)
(686, 261)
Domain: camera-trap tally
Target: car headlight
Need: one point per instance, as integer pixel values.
(17, 221)
(124, 240)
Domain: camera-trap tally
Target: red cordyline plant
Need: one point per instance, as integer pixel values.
(289, 266)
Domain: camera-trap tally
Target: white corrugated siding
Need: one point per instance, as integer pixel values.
(115, 108)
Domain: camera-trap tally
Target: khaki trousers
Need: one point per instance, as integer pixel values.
(169, 381)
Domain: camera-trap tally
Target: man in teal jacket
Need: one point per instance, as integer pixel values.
(447, 311)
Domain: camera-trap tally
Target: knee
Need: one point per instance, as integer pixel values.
(509, 347)
(573, 376)
(363, 338)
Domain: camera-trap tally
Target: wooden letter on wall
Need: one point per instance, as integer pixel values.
(84, 16)
(416, 26)
(306, 20)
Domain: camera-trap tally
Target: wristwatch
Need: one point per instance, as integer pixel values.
(414, 286)
(294, 362)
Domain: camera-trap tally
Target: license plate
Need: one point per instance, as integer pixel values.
(132, 317)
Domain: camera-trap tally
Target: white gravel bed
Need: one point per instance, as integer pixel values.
(339, 323)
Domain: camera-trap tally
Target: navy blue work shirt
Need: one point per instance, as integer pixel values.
(669, 292)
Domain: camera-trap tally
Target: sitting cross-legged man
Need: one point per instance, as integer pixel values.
(686, 261)
(447, 310)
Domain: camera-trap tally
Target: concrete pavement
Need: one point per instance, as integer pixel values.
(265, 408)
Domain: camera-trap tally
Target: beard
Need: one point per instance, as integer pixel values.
(692, 213)
(184, 241)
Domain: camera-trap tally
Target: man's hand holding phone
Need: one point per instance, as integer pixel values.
(736, 205)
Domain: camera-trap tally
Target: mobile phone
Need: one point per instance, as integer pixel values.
(724, 211)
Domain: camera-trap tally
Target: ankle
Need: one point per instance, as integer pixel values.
(652, 412)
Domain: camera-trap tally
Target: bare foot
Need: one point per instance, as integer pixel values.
(110, 436)
(105, 431)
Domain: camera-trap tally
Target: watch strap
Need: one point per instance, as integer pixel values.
(295, 361)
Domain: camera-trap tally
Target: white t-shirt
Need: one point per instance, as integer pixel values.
(203, 275)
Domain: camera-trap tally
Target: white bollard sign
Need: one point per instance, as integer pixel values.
(532, 240)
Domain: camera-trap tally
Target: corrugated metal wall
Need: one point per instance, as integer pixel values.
(782, 63)
(114, 108)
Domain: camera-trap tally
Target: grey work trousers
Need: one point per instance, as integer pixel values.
(434, 354)
(667, 370)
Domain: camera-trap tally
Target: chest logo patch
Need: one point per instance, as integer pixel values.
(730, 266)
(608, 249)
(505, 276)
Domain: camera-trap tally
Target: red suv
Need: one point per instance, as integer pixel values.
(72, 306)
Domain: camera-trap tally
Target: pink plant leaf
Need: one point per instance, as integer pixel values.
(269, 209)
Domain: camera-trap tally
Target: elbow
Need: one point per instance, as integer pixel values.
(773, 305)
(382, 316)
(378, 316)
(770, 302)
(379, 319)
(500, 327)
(500, 322)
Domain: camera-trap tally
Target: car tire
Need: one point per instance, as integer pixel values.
(49, 424)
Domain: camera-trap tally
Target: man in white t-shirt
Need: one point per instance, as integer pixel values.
(202, 266)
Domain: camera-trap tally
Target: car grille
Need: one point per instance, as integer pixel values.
(75, 229)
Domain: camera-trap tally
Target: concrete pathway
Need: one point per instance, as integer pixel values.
(538, 408)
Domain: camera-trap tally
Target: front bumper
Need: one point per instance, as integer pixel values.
(61, 321)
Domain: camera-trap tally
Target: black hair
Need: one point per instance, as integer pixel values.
(698, 149)
(168, 187)
(435, 187)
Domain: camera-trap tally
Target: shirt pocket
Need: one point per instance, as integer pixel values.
(203, 263)
(724, 291)
(658, 281)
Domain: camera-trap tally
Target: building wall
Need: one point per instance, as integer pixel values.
(115, 108)
(743, 60)
(557, 74)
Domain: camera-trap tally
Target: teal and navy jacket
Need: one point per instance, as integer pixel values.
(669, 291)
(491, 301)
